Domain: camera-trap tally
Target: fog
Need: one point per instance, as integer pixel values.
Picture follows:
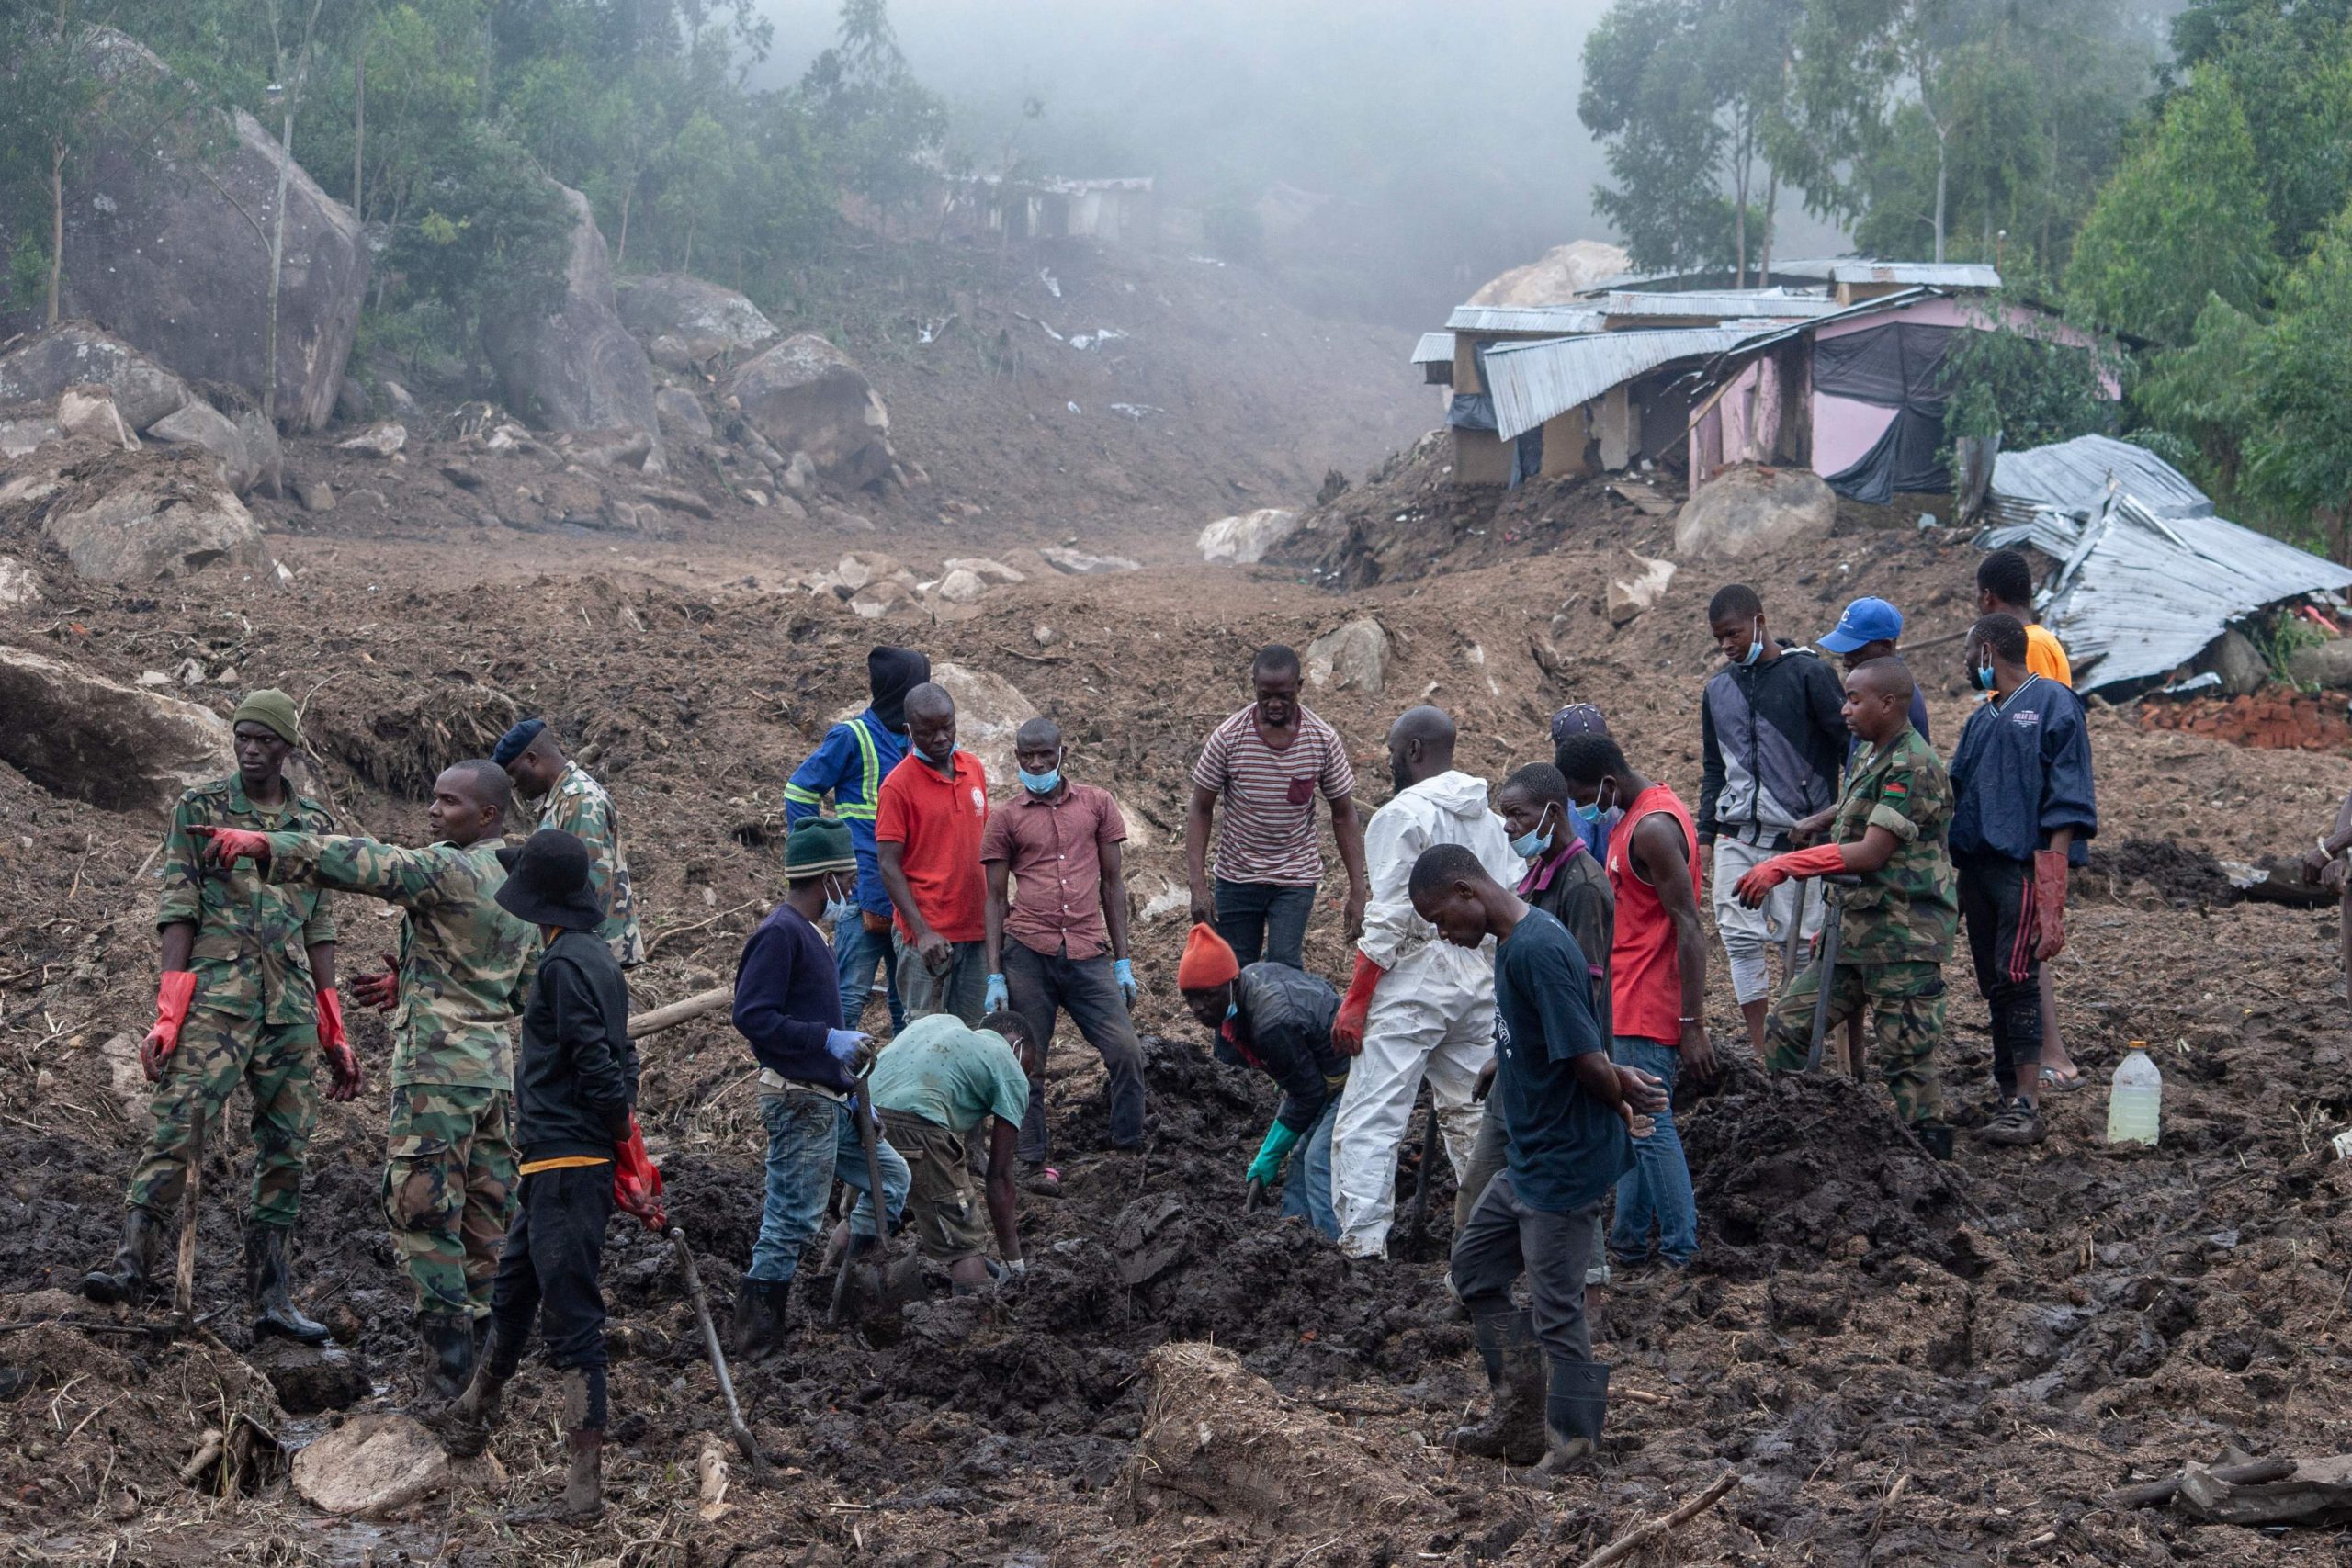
(1442, 132)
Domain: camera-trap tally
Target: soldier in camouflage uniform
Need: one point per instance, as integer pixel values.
(577, 804)
(1896, 929)
(464, 966)
(248, 993)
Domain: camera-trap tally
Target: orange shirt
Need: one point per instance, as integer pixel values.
(2045, 657)
(937, 823)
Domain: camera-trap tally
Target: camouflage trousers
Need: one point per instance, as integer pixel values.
(1906, 1006)
(449, 1190)
(217, 1049)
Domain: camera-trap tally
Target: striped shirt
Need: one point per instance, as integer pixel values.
(1267, 832)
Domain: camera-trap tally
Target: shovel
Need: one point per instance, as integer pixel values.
(1418, 1228)
(1829, 924)
(880, 1285)
(741, 1434)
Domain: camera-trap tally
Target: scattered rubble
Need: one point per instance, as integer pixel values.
(1078, 563)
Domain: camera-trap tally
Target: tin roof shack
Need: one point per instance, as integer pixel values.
(1481, 456)
(1116, 211)
(2149, 578)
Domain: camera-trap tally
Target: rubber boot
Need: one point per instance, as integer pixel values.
(446, 1340)
(760, 1307)
(463, 1425)
(1936, 1138)
(1513, 1429)
(132, 1274)
(1576, 1407)
(582, 1498)
(269, 1288)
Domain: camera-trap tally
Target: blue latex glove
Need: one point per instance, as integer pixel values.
(1124, 971)
(1267, 1168)
(842, 1044)
(996, 998)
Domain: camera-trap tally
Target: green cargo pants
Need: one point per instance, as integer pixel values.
(277, 1063)
(449, 1190)
(1906, 1006)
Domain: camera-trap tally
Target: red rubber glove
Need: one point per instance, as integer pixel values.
(1822, 860)
(1346, 1029)
(637, 1181)
(225, 846)
(382, 991)
(173, 995)
(2048, 903)
(335, 1047)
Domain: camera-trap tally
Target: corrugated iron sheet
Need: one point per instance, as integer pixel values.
(2151, 577)
(1861, 269)
(1532, 382)
(1728, 304)
(1434, 348)
(1558, 319)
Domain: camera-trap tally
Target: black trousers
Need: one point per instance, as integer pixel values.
(1036, 985)
(1507, 1237)
(1997, 904)
(547, 1270)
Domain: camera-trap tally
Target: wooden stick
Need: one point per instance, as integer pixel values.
(1641, 1396)
(679, 1012)
(184, 1279)
(208, 1451)
(1641, 1535)
(2156, 1493)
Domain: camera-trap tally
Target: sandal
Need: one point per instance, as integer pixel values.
(2054, 1082)
(1044, 1181)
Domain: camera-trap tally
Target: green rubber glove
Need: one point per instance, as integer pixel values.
(1267, 1168)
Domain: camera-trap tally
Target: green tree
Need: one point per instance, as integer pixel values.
(2204, 395)
(2022, 377)
(2185, 219)
(2293, 60)
(882, 126)
(2299, 449)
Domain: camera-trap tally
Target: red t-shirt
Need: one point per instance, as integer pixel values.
(1645, 970)
(937, 823)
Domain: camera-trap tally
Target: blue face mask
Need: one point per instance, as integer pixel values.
(1756, 647)
(1040, 784)
(1592, 814)
(1530, 845)
(1982, 677)
(1232, 1012)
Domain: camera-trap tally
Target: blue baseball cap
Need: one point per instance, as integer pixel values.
(1865, 621)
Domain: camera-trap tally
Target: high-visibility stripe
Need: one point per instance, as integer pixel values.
(870, 764)
(854, 813)
(802, 796)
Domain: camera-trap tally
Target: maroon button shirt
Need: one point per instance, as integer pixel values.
(1054, 849)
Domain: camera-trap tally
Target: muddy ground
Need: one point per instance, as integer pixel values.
(1906, 1364)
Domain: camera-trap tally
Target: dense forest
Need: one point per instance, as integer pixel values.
(2179, 179)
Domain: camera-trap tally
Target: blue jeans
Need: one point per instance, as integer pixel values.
(1262, 919)
(811, 1140)
(960, 991)
(1658, 1187)
(855, 952)
(1307, 1189)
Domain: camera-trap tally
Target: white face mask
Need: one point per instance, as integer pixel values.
(839, 906)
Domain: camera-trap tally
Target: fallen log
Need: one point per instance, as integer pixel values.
(678, 1012)
(1641, 1535)
(2156, 1493)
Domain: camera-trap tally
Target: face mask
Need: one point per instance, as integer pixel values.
(1590, 814)
(1232, 1012)
(1530, 845)
(1980, 677)
(1041, 783)
(1755, 647)
(941, 757)
(838, 909)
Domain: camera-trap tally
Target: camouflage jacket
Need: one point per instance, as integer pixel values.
(465, 964)
(578, 804)
(1906, 911)
(251, 939)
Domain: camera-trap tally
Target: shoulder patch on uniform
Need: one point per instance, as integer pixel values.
(1897, 787)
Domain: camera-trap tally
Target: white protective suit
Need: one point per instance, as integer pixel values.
(1433, 1011)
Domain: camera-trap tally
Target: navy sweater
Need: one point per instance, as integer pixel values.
(2022, 772)
(787, 996)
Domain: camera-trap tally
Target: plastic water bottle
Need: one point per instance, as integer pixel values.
(2135, 1100)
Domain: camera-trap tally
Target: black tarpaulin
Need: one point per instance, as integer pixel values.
(1908, 457)
(1894, 367)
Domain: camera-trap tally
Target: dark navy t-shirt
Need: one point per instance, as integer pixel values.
(1566, 1148)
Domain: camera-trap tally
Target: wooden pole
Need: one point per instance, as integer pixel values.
(1641, 1535)
(184, 1277)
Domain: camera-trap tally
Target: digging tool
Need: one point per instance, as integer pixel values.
(1418, 1226)
(870, 1141)
(1829, 924)
(741, 1434)
(1253, 1197)
(183, 1277)
(1793, 943)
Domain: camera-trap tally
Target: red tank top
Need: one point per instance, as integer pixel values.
(1645, 970)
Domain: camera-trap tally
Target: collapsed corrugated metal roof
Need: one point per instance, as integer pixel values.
(1432, 348)
(1559, 318)
(1532, 382)
(2151, 576)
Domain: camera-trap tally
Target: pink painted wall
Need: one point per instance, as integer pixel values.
(1843, 429)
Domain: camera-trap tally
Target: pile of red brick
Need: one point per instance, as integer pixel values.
(2274, 718)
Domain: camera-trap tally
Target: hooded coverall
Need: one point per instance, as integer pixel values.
(1433, 1011)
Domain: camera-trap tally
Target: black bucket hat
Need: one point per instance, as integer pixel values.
(546, 882)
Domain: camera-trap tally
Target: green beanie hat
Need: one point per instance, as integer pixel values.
(274, 708)
(817, 845)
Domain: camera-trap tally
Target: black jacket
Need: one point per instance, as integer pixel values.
(1284, 1028)
(576, 1076)
(1774, 740)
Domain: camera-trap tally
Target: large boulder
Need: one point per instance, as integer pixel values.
(1749, 509)
(167, 245)
(1353, 659)
(681, 414)
(121, 747)
(197, 423)
(383, 1463)
(1245, 540)
(990, 711)
(710, 321)
(138, 523)
(71, 353)
(576, 368)
(805, 395)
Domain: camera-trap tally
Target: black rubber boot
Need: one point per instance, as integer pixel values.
(760, 1309)
(1513, 1429)
(131, 1275)
(1573, 1413)
(1936, 1138)
(464, 1425)
(269, 1288)
(446, 1339)
(582, 1498)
